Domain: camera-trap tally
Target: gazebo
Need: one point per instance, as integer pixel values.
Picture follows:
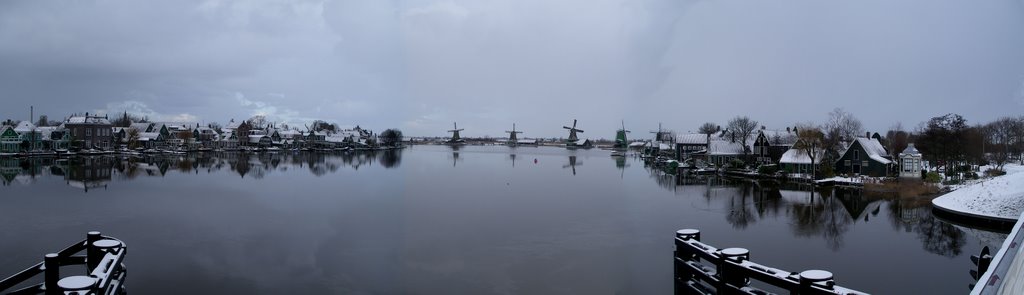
(910, 162)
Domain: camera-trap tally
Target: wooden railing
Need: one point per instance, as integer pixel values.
(703, 269)
(104, 257)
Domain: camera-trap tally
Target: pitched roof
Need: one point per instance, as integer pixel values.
(692, 138)
(24, 126)
(88, 120)
(911, 151)
(874, 149)
(725, 147)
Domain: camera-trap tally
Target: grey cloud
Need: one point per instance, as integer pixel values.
(421, 64)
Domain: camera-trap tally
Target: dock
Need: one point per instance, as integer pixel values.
(1004, 273)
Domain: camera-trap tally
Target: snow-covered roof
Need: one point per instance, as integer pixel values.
(88, 120)
(637, 144)
(725, 147)
(778, 137)
(289, 133)
(910, 151)
(146, 136)
(527, 141)
(692, 138)
(664, 147)
(24, 126)
(256, 138)
(796, 156)
(873, 149)
(141, 127)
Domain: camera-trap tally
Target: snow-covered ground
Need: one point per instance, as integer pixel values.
(999, 197)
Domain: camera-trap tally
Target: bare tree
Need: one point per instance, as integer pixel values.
(708, 129)
(810, 140)
(743, 127)
(1001, 132)
(257, 122)
(897, 138)
(840, 127)
(133, 138)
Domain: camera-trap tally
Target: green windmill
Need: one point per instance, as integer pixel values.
(620, 137)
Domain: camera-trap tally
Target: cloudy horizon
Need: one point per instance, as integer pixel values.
(419, 65)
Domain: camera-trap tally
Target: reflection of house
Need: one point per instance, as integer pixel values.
(90, 172)
(865, 156)
(90, 131)
(910, 162)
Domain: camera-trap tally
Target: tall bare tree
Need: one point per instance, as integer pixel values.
(133, 138)
(742, 127)
(810, 141)
(708, 129)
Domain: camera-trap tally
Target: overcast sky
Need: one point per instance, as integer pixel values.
(418, 65)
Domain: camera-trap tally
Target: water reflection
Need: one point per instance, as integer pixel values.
(828, 213)
(97, 172)
(572, 164)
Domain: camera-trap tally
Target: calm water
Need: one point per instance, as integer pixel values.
(480, 220)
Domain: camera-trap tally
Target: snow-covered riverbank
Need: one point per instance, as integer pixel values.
(1000, 198)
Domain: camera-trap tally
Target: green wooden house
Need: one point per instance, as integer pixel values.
(865, 156)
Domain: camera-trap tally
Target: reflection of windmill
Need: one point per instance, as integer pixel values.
(620, 162)
(513, 157)
(455, 158)
(512, 138)
(620, 137)
(572, 163)
(574, 140)
(456, 139)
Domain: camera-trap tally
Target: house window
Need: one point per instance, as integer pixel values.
(846, 163)
(864, 163)
(856, 155)
(88, 132)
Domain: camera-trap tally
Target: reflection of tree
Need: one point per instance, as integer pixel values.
(739, 215)
(391, 158)
(914, 215)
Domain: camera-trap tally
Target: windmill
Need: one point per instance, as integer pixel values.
(662, 135)
(620, 137)
(574, 140)
(456, 139)
(572, 164)
(512, 138)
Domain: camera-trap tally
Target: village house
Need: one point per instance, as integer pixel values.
(796, 161)
(722, 152)
(31, 139)
(910, 162)
(54, 138)
(865, 156)
(768, 146)
(89, 132)
(691, 145)
(10, 141)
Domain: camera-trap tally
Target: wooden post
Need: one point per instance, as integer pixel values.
(92, 254)
(51, 273)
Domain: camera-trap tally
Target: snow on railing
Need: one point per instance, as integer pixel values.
(104, 258)
(703, 269)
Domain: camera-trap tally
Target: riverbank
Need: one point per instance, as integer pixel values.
(999, 199)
